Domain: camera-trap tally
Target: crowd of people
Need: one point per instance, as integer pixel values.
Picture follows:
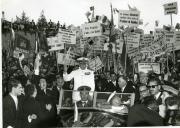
(31, 100)
(36, 97)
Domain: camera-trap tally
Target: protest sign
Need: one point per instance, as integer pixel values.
(146, 67)
(99, 42)
(65, 59)
(147, 40)
(170, 8)
(67, 36)
(170, 37)
(55, 44)
(133, 51)
(133, 40)
(95, 64)
(91, 29)
(158, 32)
(129, 18)
(177, 40)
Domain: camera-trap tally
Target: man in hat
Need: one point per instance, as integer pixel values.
(82, 76)
(84, 94)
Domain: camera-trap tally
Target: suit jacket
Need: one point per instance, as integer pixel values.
(88, 104)
(55, 94)
(46, 98)
(11, 116)
(111, 87)
(32, 106)
(139, 115)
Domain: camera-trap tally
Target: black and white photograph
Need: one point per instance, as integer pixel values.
(90, 63)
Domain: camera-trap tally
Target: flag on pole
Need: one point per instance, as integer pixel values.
(91, 8)
(156, 23)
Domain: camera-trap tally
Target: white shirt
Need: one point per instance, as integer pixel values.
(81, 78)
(15, 100)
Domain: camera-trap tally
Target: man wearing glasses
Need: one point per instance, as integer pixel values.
(155, 90)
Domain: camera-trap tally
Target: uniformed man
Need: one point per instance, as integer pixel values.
(82, 76)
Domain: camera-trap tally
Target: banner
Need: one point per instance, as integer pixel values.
(146, 67)
(170, 8)
(95, 64)
(67, 36)
(91, 29)
(129, 18)
(22, 44)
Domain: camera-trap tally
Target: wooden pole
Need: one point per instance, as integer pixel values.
(125, 55)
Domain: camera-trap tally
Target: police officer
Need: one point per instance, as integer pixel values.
(82, 76)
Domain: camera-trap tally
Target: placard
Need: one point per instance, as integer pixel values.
(91, 29)
(99, 42)
(67, 36)
(95, 64)
(177, 40)
(147, 40)
(133, 40)
(170, 8)
(129, 18)
(170, 37)
(65, 59)
(146, 67)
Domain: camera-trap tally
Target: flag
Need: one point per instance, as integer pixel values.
(43, 45)
(104, 18)
(132, 9)
(115, 10)
(37, 44)
(18, 20)
(156, 23)
(87, 14)
(146, 24)
(91, 8)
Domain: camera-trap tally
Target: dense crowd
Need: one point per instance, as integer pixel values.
(38, 95)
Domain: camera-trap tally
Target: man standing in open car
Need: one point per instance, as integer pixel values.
(82, 76)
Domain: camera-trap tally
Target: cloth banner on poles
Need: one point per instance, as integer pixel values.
(91, 29)
(129, 18)
(146, 67)
(170, 8)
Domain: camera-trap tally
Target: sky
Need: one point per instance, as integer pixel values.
(73, 11)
